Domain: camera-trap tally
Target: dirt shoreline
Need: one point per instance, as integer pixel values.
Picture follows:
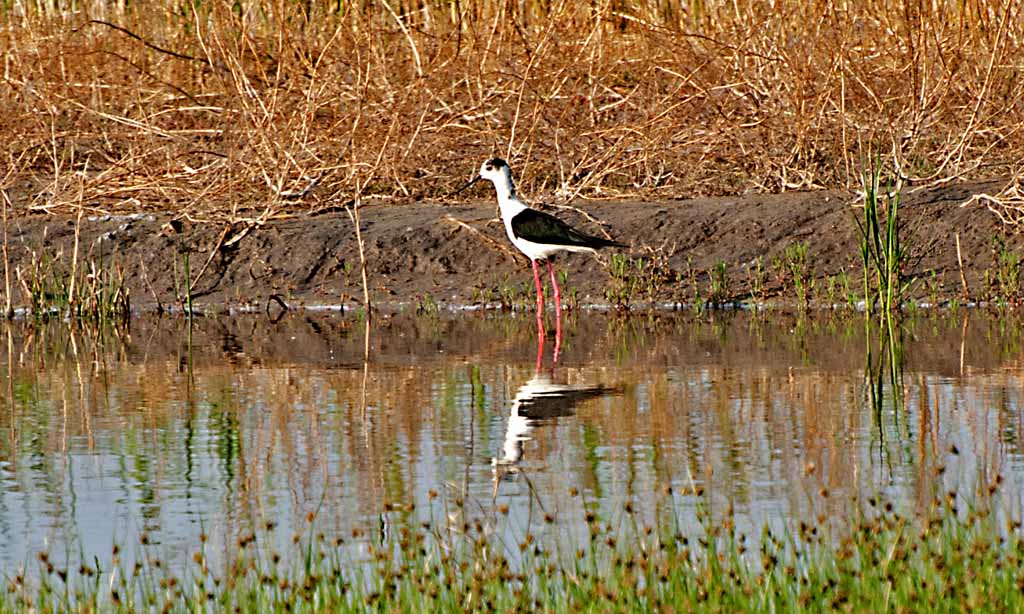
(434, 254)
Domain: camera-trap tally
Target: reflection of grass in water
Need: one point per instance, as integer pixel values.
(475, 558)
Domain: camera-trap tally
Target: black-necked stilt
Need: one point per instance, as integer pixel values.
(537, 234)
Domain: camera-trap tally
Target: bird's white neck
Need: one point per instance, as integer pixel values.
(508, 202)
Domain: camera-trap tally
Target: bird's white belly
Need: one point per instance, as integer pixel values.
(541, 251)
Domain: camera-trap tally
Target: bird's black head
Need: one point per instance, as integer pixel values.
(495, 164)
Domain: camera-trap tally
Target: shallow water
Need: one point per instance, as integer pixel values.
(174, 433)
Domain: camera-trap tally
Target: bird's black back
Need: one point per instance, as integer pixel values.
(544, 228)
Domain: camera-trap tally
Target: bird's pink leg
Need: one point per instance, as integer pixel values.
(558, 311)
(554, 284)
(540, 352)
(540, 300)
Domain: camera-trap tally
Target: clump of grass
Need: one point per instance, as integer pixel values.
(800, 272)
(756, 281)
(637, 279)
(508, 294)
(512, 296)
(426, 305)
(92, 290)
(883, 254)
(625, 283)
(719, 287)
(1003, 280)
(570, 293)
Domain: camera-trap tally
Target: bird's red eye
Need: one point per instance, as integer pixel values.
(489, 167)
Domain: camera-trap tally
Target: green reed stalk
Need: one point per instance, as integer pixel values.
(883, 254)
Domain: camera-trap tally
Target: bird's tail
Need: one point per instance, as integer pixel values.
(599, 242)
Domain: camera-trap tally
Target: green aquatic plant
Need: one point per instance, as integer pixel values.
(800, 271)
(1003, 283)
(756, 281)
(849, 295)
(426, 305)
(513, 296)
(830, 291)
(884, 254)
(718, 285)
(187, 286)
(633, 279)
(623, 286)
(934, 287)
(638, 279)
(691, 280)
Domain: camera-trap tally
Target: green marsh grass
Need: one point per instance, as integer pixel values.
(92, 289)
(1003, 283)
(755, 281)
(719, 289)
(626, 283)
(463, 556)
(800, 271)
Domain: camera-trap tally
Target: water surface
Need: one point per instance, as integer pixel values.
(172, 433)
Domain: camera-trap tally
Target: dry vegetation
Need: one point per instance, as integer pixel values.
(232, 110)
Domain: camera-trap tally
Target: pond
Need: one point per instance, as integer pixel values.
(167, 431)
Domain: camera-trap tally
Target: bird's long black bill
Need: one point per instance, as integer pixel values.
(475, 179)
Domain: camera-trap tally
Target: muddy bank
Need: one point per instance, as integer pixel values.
(431, 253)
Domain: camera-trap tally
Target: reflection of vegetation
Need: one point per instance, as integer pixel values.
(226, 440)
(883, 373)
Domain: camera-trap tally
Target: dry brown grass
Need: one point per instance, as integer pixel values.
(222, 111)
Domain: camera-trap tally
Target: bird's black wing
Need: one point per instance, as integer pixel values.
(544, 228)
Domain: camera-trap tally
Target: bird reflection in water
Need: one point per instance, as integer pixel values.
(540, 402)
